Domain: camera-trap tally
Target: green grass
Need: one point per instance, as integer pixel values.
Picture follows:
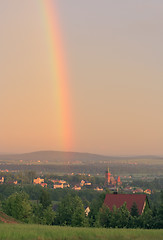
(39, 232)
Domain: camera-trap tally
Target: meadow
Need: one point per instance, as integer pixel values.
(39, 232)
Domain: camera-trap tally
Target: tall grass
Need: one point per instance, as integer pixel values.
(39, 232)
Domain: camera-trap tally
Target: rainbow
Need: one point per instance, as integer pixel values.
(60, 75)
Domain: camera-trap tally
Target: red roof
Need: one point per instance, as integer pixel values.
(119, 199)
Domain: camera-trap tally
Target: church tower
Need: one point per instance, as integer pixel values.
(107, 177)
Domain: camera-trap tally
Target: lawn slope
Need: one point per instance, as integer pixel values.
(38, 232)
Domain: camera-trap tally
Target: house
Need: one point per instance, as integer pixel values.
(6, 170)
(12, 182)
(66, 185)
(38, 180)
(148, 191)
(58, 181)
(43, 184)
(58, 185)
(85, 183)
(87, 210)
(88, 183)
(98, 189)
(82, 183)
(118, 200)
(138, 190)
(77, 187)
(128, 189)
(2, 180)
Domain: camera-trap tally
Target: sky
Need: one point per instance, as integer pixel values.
(113, 54)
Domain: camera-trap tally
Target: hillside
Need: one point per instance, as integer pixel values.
(4, 218)
(53, 157)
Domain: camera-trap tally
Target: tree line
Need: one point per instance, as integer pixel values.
(71, 212)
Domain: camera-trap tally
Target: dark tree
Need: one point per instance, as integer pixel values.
(95, 206)
(104, 217)
(160, 213)
(134, 210)
(45, 199)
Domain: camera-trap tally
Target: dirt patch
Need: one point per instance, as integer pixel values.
(6, 219)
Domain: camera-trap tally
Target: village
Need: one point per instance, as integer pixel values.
(108, 182)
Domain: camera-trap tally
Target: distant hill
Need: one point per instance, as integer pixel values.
(54, 156)
(73, 157)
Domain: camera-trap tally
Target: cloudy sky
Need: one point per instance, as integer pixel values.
(113, 53)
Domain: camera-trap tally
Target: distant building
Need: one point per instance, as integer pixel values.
(38, 180)
(82, 183)
(110, 181)
(12, 182)
(6, 170)
(138, 190)
(128, 189)
(98, 189)
(119, 181)
(58, 181)
(60, 185)
(43, 184)
(148, 191)
(107, 177)
(88, 183)
(2, 180)
(77, 187)
(65, 185)
(85, 183)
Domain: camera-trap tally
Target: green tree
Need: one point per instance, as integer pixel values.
(146, 219)
(134, 210)
(42, 215)
(48, 216)
(95, 206)
(123, 216)
(159, 220)
(37, 216)
(65, 211)
(114, 218)
(120, 217)
(160, 217)
(104, 217)
(18, 206)
(45, 199)
(71, 212)
(78, 216)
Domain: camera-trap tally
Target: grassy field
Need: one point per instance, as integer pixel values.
(39, 232)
